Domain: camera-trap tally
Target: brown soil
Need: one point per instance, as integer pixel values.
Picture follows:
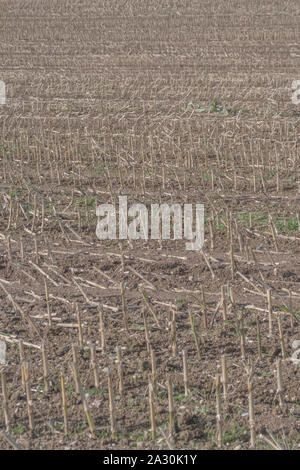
(119, 98)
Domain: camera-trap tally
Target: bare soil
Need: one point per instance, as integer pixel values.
(175, 102)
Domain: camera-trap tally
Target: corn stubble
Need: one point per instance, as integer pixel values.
(142, 343)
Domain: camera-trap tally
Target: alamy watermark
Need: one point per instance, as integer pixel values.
(2, 93)
(295, 53)
(296, 92)
(2, 353)
(164, 221)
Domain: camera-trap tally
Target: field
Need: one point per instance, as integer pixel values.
(142, 344)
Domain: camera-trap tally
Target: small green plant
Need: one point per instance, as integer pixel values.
(264, 373)
(19, 429)
(12, 194)
(90, 202)
(131, 402)
(180, 302)
(85, 354)
(70, 389)
(207, 176)
(234, 434)
(139, 438)
(183, 398)
(93, 391)
(195, 107)
(216, 107)
(103, 435)
(103, 392)
(287, 225)
(203, 410)
(69, 105)
(80, 427)
(59, 427)
(100, 170)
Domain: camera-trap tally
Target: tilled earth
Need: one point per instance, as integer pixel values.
(181, 102)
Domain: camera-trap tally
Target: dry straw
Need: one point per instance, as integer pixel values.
(75, 361)
(195, 334)
(22, 359)
(249, 371)
(282, 345)
(45, 368)
(84, 401)
(171, 408)
(270, 312)
(94, 366)
(279, 383)
(47, 302)
(224, 377)
(64, 402)
(242, 335)
(146, 330)
(224, 304)
(146, 300)
(8, 241)
(153, 368)
(219, 413)
(120, 370)
(173, 333)
(124, 305)
(258, 333)
(28, 395)
(204, 312)
(80, 335)
(111, 404)
(102, 330)
(152, 410)
(185, 372)
(5, 401)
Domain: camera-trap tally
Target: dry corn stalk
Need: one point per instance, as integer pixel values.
(94, 366)
(193, 328)
(102, 329)
(270, 311)
(146, 329)
(281, 337)
(84, 402)
(224, 377)
(171, 408)
(152, 410)
(153, 368)
(146, 300)
(5, 401)
(28, 394)
(242, 335)
(185, 372)
(80, 336)
(120, 370)
(75, 361)
(111, 404)
(22, 359)
(249, 371)
(173, 334)
(124, 305)
(47, 302)
(219, 414)
(64, 402)
(204, 313)
(45, 368)
(279, 382)
(223, 302)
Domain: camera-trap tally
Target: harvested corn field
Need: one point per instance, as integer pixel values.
(136, 342)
